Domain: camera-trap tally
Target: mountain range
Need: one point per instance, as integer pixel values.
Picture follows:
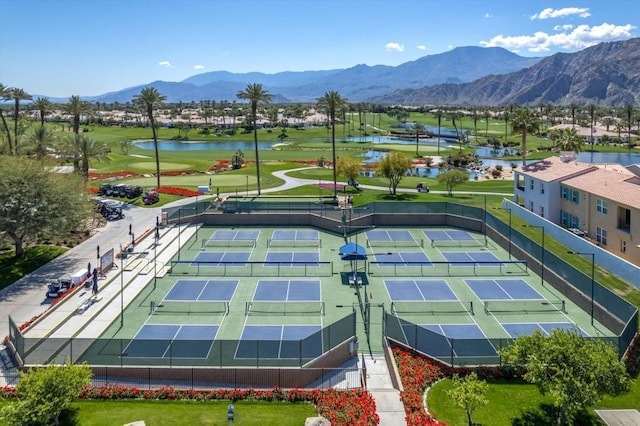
(604, 74)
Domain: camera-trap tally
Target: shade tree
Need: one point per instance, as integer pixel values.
(393, 167)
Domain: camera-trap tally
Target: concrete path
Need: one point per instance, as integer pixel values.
(388, 404)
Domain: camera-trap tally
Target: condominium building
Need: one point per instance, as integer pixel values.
(599, 202)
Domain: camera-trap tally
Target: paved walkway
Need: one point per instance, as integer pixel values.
(26, 297)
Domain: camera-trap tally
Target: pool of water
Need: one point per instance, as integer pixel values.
(205, 145)
(495, 152)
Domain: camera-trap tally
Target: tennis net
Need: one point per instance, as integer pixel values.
(259, 307)
(399, 243)
(189, 308)
(294, 243)
(523, 306)
(228, 243)
(432, 307)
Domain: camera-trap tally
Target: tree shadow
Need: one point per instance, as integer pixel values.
(397, 197)
(547, 414)
(69, 417)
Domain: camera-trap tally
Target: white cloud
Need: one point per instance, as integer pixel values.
(421, 47)
(198, 67)
(565, 27)
(488, 15)
(398, 47)
(582, 36)
(165, 64)
(548, 13)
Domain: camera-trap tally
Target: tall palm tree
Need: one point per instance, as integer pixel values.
(629, 110)
(83, 149)
(77, 107)
(255, 94)
(438, 114)
(41, 139)
(17, 95)
(331, 103)
(573, 107)
(43, 105)
(567, 139)
(592, 115)
(150, 98)
(524, 121)
(4, 95)
(454, 116)
(417, 129)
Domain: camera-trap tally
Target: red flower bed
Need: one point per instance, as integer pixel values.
(92, 191)
(416, 373)
(172, 190)
(353, 408)
(110, 175)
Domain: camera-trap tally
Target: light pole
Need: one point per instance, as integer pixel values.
(155, 253)
(541, 227)
(593, 270)
(179, 218)
(123, 255)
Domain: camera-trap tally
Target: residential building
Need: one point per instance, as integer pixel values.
(600, 202)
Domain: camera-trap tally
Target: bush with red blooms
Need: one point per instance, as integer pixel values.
(416, 373)
(111, 175)
(343, 408)
(172, 190)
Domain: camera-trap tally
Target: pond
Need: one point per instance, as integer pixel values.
(206, 145)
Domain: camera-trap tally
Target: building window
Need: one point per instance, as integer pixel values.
(542, 211)
(531, 205)
(531, 184)
(601, 206)
(575, 196)
(623, 246)
(542, 188)
(575, 222)
(601, 236)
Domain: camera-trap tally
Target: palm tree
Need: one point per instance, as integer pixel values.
(43, 105)
(486, 114)
(592, 115)
(453, 116)
(567, 139)
(629, 110)
(150, 98)
(254, 93)
(332, 103)
(41, 139)
(4, 95)
(573, 107)
(83, 149)
(524, 121)
(76, 107)
(417, 128)
(17, 95)
(438, 114)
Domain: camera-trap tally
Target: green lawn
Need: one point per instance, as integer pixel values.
(12, 269)
(519, 403)
(170, 413)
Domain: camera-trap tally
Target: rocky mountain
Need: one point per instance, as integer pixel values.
(605, 74)
(358, 83)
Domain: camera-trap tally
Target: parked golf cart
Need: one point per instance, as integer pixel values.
(133, 191)
(60, 286)
(422, 187)
(109, 209)
(151, 197)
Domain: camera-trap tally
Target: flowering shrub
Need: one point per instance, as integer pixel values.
(172, 190)
(178, 172)
(354, 407)
(92, 191)
(110, 175)
(416, 373)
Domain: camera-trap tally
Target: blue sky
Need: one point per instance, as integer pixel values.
(58, 48)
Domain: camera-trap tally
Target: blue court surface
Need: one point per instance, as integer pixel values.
(470, 258)
(280, 341)
(287, 290)
(419, 290)
(233, 235)
(283, 258)
(220, 258)
(448, 235)
(293, 235)
(503, 289)
(391, 235)
(172, 341)
(402, 258)
(518, 329)
(435, 339)
(202, 290)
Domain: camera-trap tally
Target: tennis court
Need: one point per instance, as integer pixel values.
(526, 329)
(287, 290)
(230, 237)
(478, 258)
(401, 258)
(280, 342)
(172, 341)
(503, 289)
(443, 340)
(294, 238)
(215, 258)
(419, 290)
(391, 238)
(285, 258)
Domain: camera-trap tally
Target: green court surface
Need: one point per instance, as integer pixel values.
(280, 297)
